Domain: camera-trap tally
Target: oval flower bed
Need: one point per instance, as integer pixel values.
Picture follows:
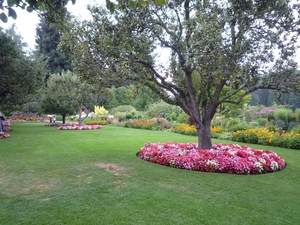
(76, 127)
(232, 159)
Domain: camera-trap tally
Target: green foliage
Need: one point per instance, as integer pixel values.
(219, 121)
(128, 116)
(171, 116)
(71, 93)
(239, 126)
(161, 109)
(218, 62)
(20, 74)
(234, 121)
(297, 112)
(122, 108)
(296, 129)
(249, 112)
(59, 118)
(123, 96)
(261, 121)
(47, 40)
(56, 9)
(89, 121)
(182, 118)
(284, 115)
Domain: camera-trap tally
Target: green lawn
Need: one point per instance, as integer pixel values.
(94, 177)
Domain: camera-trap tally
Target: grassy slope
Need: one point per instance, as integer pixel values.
(93, 177)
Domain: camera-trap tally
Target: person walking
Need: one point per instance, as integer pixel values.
(1, 120)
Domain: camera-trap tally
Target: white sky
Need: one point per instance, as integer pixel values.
(26, 22)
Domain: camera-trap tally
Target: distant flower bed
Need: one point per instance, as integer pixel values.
(232, 159)
(76, 127)
(265, 137)
(60, 124)
(6, 123)
(140, 124)
(96, 122)
(4, 135)
(191, 130)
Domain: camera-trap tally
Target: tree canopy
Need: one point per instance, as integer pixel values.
(55, 8)
(242, 46)
(70, 94)
(20, 74)
(47, 39)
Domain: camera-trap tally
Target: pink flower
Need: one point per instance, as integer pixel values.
(4, 135)
(76, 127)
(221, 158)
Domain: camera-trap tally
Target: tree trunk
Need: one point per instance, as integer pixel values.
(204, 136)
(79, 116)
(63, 119)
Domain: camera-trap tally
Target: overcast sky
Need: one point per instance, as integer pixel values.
(26, 22)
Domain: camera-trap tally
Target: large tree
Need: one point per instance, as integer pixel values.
(57, 8)
(47, 39)
(20, 74)
(212, 45)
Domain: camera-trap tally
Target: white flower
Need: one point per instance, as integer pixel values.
(274, 165)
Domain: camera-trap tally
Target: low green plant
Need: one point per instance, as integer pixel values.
(297, 114)
(284, 115)
(182, 118)
(122, 109)
(239, 126)
(261, 121)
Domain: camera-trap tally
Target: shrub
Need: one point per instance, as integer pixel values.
(265, 112)
(279, 123)
(96, 122)
(292, 124)
(128, 116)
(100, 111)
(215, 131)
(161, 108)
(223, 135)
(239, 126)
(185, 129)
(234, 122)
(162, 123)
(261, 121)
(122, 108)
(182, 118)
(140, 124)
(219, 121)
(284, 115)
(296, 129)
(254, 136)
(59, 118)
(171, 116)
(254, 124)
(297, 113)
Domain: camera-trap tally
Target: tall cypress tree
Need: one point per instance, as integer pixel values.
(47, 40)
